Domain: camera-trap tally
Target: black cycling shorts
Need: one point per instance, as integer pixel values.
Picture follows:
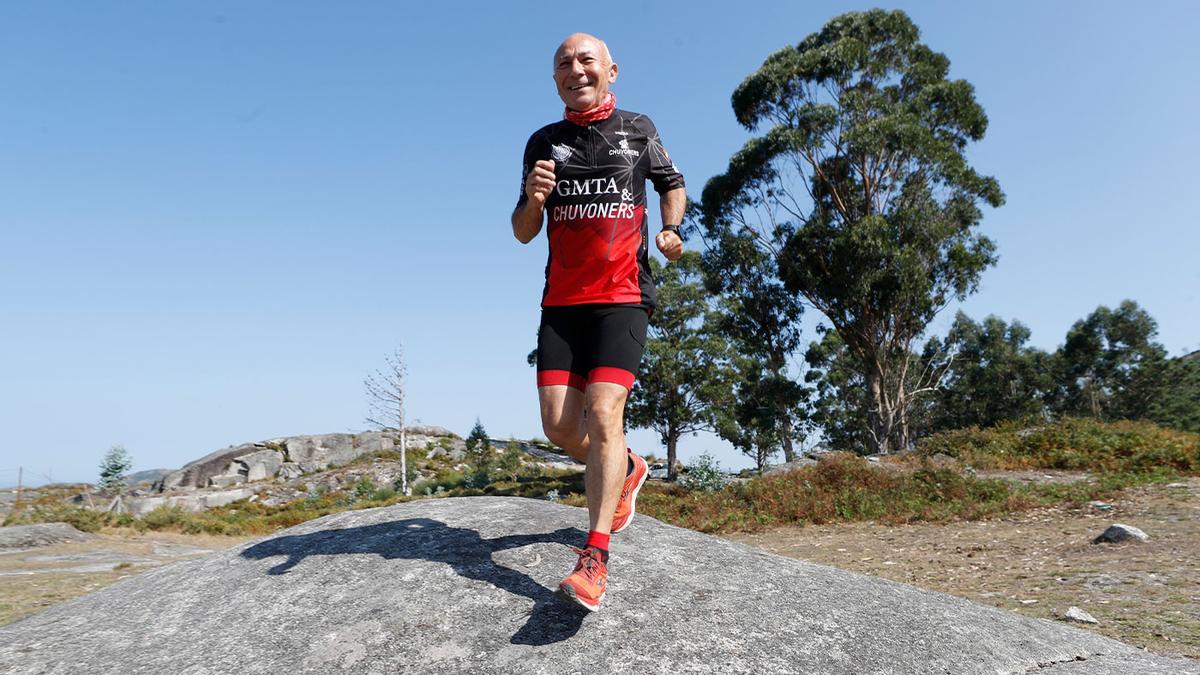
(582, 344)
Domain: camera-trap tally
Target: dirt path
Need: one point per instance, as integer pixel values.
(34, 578)
(1040, 563)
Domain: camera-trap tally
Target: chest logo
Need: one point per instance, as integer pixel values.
(560, 152)
(624, 149)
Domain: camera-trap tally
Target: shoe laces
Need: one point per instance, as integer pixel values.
(588, 562)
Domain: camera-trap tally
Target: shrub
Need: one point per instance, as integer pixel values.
(703, 474)
(1072, 444)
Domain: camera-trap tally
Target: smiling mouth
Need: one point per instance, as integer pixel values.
(580, 86)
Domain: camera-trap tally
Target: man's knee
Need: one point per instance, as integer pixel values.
(606, 411)
(561, 432)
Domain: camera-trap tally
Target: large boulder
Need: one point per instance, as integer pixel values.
(292, 456)
(466, 585)
(196, 474)
(194, 501)
(39, 534)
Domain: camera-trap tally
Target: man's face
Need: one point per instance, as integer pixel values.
(583, 71)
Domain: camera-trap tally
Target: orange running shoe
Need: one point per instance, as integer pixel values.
(623, 516)
(586, 585)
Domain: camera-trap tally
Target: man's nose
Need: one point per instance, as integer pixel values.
(576, 68)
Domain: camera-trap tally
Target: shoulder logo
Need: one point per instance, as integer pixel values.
(560, 152)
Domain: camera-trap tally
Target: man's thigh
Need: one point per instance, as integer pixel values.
(620, 340)
(562, 406)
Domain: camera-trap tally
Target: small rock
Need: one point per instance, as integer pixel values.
(1100, 506)
(1029, 602)
(1177, 485)
(1079, 616)
(1118, 533)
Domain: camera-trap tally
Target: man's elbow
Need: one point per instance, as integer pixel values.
(522, 234)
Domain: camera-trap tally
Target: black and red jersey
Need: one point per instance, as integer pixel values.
(597, 210)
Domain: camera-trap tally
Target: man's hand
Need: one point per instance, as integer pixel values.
(670, 244)
(540, 182)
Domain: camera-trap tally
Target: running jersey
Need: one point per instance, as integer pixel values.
(597, 209)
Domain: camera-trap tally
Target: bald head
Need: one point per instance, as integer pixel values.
(585, 42)
(583, 71)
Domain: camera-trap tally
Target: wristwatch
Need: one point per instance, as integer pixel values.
(673, 228)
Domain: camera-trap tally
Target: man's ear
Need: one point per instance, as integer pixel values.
(612, 73)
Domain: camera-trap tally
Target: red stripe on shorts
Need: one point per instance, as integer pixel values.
(552, 378)
(613, 375)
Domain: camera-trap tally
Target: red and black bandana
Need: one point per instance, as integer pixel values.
(600, 112)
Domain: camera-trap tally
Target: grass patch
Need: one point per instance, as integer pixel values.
(845, 488)
(1132, 448)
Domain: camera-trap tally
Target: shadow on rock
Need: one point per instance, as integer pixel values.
(470, 555)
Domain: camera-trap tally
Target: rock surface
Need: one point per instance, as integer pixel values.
(42, 534)
(1079, 616)
(465, 585)
(1119, 532)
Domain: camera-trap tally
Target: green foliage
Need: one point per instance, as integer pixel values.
(681, 374)
(839, 403)
(703, 474)
(363, 488)
(479, 448)
(1079, 444)
(845, 488)
(860, 182)
(508, 465)
(1176, 404)
(113, 469)
(758, 408)
(994, 376)
(1110, 366)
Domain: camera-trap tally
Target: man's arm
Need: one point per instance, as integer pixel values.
(527, 220)
(671, 204)
(528, 216)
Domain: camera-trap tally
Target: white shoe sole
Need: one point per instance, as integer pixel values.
(568, 592)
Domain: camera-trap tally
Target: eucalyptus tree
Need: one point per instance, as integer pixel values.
(858, 186)
(994, 374)
(1177, 402)
(1110, 366)
(761, 319)
(683, 373)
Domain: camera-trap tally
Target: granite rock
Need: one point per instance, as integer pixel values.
(466, 585)
(1120, 532)
(40, 534)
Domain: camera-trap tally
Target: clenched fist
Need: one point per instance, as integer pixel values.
(540, 182)
(670, 244)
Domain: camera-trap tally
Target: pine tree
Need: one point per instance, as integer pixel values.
(479, 448)
(113, 467)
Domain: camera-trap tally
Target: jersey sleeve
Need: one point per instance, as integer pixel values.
(535, 149)
(663, 174)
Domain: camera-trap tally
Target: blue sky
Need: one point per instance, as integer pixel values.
(217, 218)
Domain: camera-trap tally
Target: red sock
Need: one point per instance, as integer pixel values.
(598, 540)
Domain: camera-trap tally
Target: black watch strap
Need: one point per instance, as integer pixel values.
(673, 228)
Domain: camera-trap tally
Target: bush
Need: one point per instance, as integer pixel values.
(703, 474)
(1072, 444)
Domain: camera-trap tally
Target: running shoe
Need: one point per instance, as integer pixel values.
(623, 516)
(586, 585)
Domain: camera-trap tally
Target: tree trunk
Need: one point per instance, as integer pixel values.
(779, 365)
(877, 416)
(672, 443)
(404, 488)
(789, 452)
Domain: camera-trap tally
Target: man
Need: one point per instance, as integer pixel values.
(588, 174)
